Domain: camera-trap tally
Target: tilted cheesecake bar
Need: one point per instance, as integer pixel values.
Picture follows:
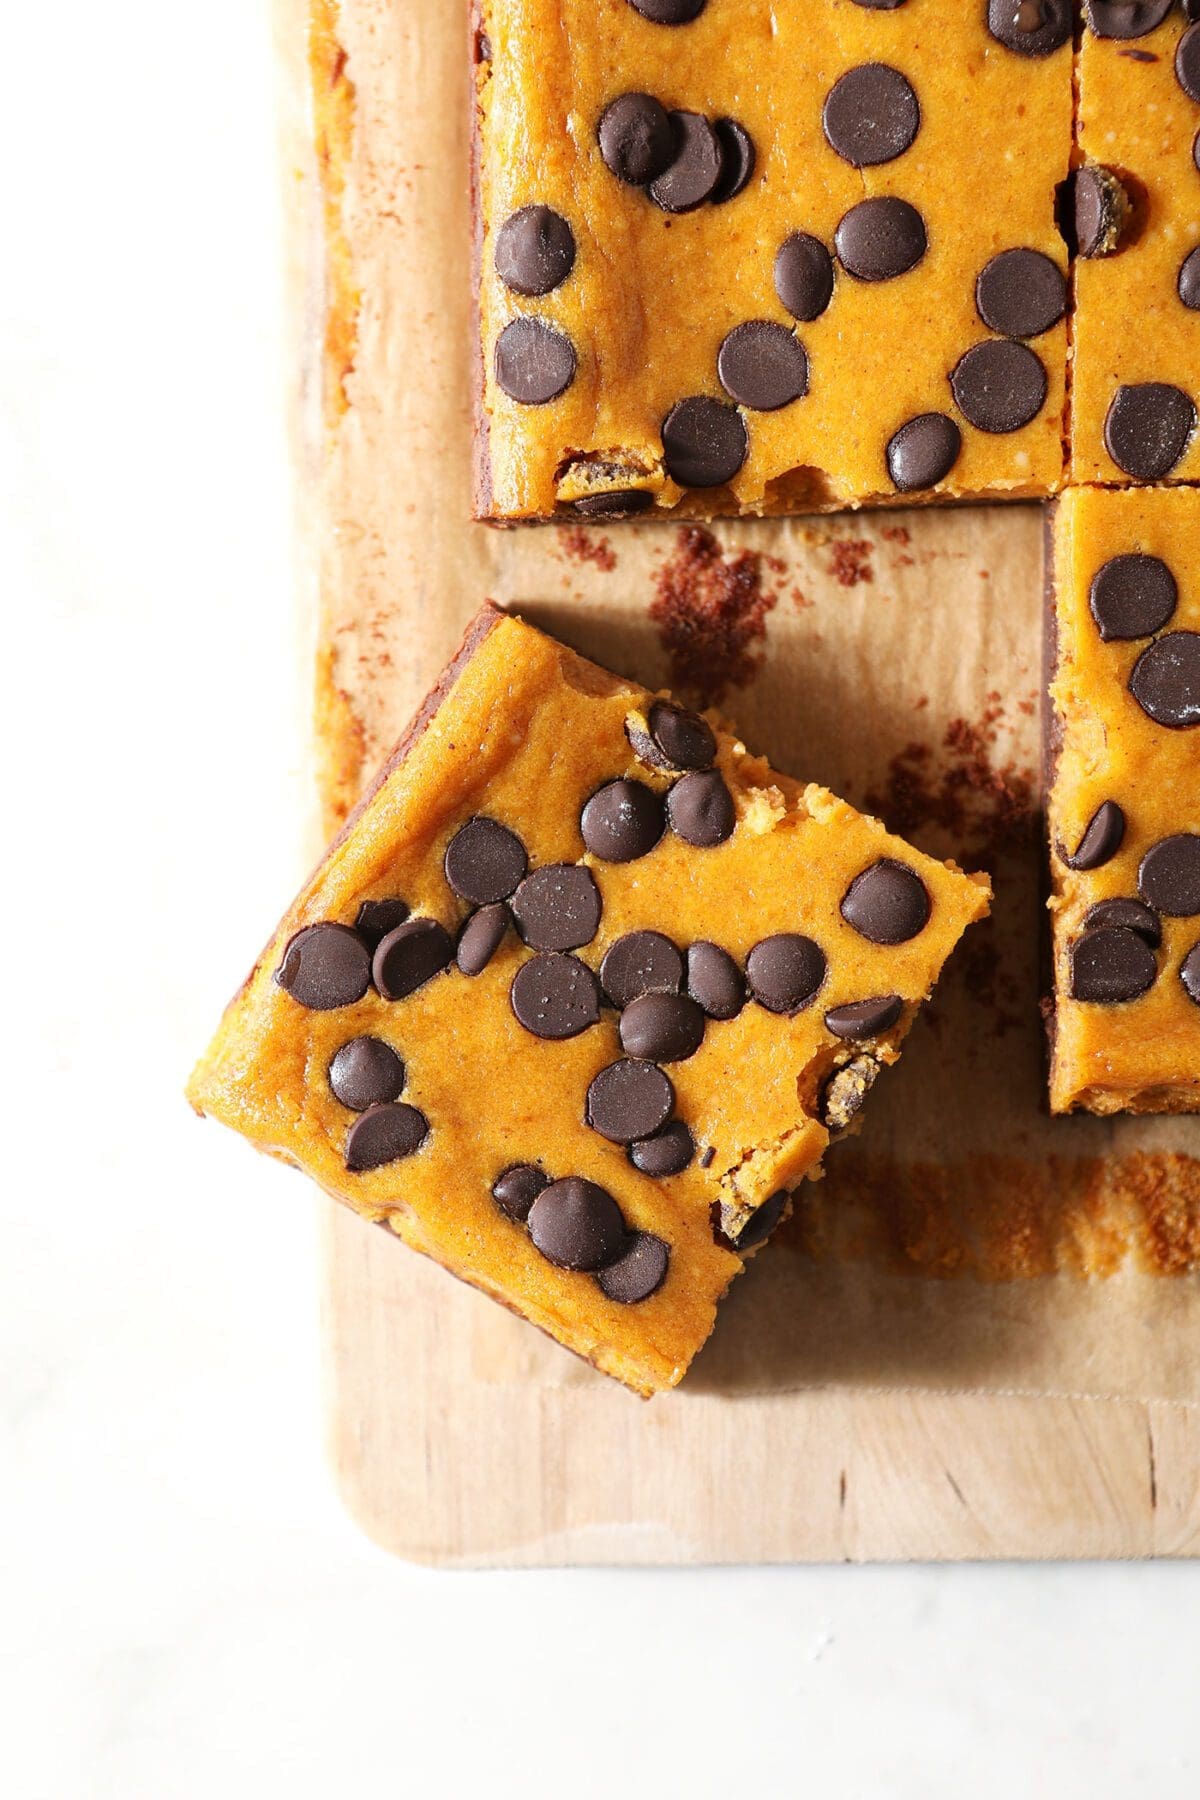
(579, 994)
(1124, 805)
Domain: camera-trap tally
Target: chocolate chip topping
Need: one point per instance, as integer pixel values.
(480, 938)
(676, 739)
(871, 115)
(639, 1272)
(1099, 210)
(377, 917)
(555, 996)
(662, 1028)
(714, 980)
(384, 1134)
(535, 250)
(1189, 281)
(617, 503)
(324, 967)
(1132, 596)
(557, 907)
(1021, 293)
(804, 276)
(637, 138)
(641, 962)
(1125, 18)
(879, 5)
(1111, 964)
(888, 903)
(786, 972)
(700, 809)
(1131, 914)
(762, 366)
(1148, 428)
(366, 1072)
(622, 821)
(844, 1094)
(534, 362)
(737, 160)
(1189, 974)
(1031, 27)
(863, 1019)
(409, 957)
(668, 1152)
(1102, 838)
(690, 179)
(577, 1225)
(1169, 878)
(1187, 62)
(923, 452)
(704, 442)
(999, 385)
(762, 1223)
(1165, 680)
(484, 861)
(669, 12)
(881, 238)
(629, 1100)
(516, 1190)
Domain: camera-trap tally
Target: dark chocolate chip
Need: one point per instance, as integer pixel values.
(1189, 974)
(700, 809)
(881, 238)
(714, 980)
(577, 1225)
(637, 139)
(534, 362)
(324, 967)
(704, 442)
(879, 5)
(622, 821)
(480, 938)
(377, 917)
(1125, 18)
(641, 962)
(484, 861)
(692, 176)
(762, 366)
(1196, 151)
(629, 1100)
(555, 996)
(999, 385)
(1169, 877)
(1031, 27)
(617, 503)
(668, 1152)
(844, 1094)
(516, 1190)
(1165, 680)
(1111, 964)
(804, 275)
(1021, 293)
(409, 957)
(888, 903)
(786, 972)
(366, 1072)
(669, 12)
(1189, 281)
(871, 115)
(1132, 914)
(1187, 62)
(737, 160)
(384, 1134)
(535, 250)
(1148, 428)
(1132, 596)
(761, 1224)
(558, 907)
(862, 1019)
(639, 1272)
(1098, 212)
(1102, 838)
(662, 1028)
(709, 1156)
(923, 452)
(677, 739)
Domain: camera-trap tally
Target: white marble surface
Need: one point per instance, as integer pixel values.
(184, 1612)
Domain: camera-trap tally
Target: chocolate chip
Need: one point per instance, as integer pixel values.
(763, 1222)
(1196, 151)
(534, 362)
(786, 972)
(558, 907)
(704, 442)
(517, 1188)
(690, 179)
(377, 917)
(409, 957)
(1111, 964)
(480, 938)
(1098, 210)
(577, 1225)
(804, 275)
(1189, 281)
(709, 1156)
(762, 366)
(714, 980)
(641, 962)
(324, 967)
(669, 12)
(637, 139)
(700, 809)
(1021, 293)
(999, 386)
(677, 739)
(1148, 428)
(1126, 18)
(1031, 27)
(638, 1273)
(668, 1152)
(1187, 62)
(862, 1019)
(662, 1028)
(484, 861)
(1189, 974)
(880, 238)
(629, 1100)
(1102, 838)
(366, 1072)
(888, 903)
(1165, 680)
(1169, 877)
(871, 115)
(845, 1093)
(1132, 596)
(555, 996)
(535, 250)
(1131, 914)
(879, 5)
(923, 452)
(384, 1134)
(622, 821)
(737, 160)
(617, 503)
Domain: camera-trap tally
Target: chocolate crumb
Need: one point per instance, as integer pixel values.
(850, 561)
(711, 612)
(583, 546)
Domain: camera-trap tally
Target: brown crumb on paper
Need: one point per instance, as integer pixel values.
(850, 561)
(582, 546)
(711, 613)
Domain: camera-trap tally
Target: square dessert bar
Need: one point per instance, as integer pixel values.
(768, 256)
(1124, 804)
(580, 992)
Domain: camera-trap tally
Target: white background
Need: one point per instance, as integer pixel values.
(184, 1612)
